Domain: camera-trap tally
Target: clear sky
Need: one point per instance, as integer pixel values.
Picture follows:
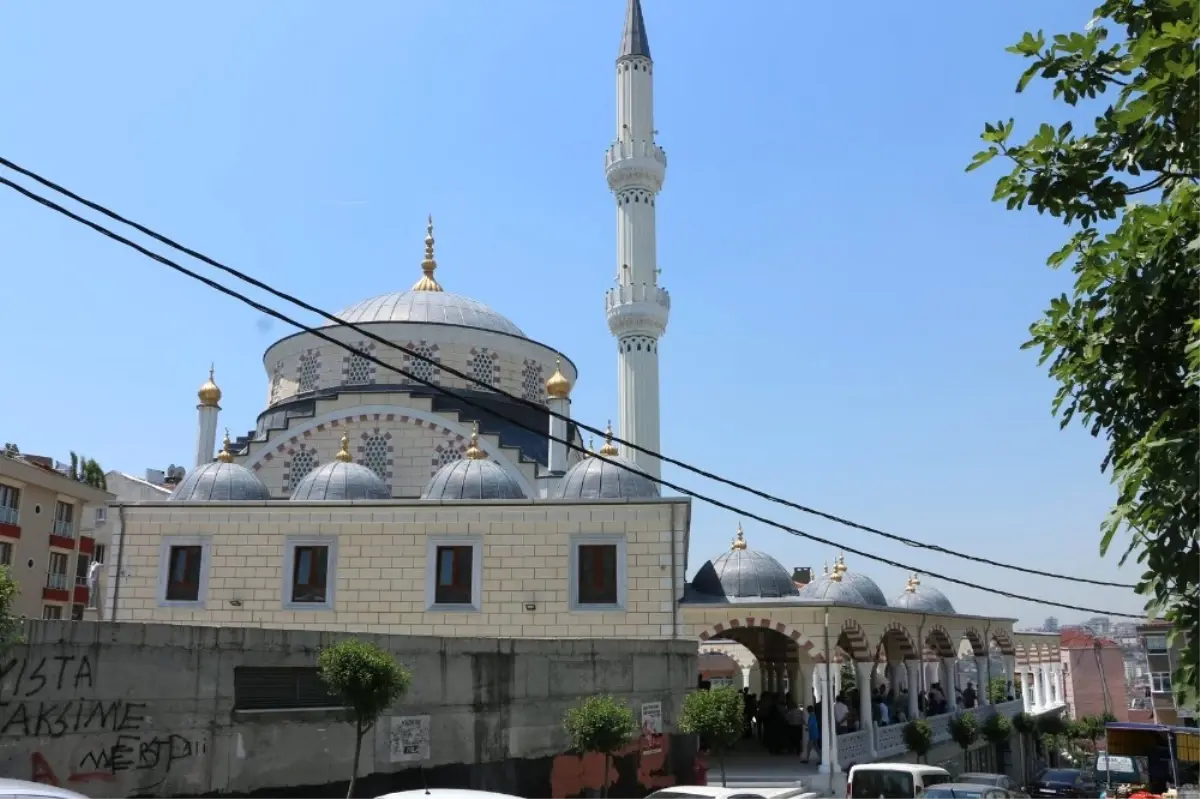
(848, 305)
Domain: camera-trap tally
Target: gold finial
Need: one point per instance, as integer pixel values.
(840, 568)
(344, 453)
(209, 393)
(910, 587)
(915, 581)
(225, 455)
(836, 575)
(740, 541)
(427, 281)
(608, 450)
(474, 453)
(558, 386)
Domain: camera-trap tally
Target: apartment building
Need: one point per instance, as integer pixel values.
(47, 524)
(1161, 658)
(1095, 674)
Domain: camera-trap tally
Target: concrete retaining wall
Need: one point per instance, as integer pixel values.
(122, 709)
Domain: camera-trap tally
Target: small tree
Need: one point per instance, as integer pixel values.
(918, 737)
(964, 729)
(717, 717)
(996, 729)
(10, 625)
(601, 724)
(368, 680)
(997, 690)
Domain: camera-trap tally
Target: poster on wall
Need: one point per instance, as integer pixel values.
(651, 727)
(408, 739)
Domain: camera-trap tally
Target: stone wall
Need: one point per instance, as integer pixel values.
(123, 709)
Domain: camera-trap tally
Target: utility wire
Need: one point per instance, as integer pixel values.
(472, 379)
(516, 422)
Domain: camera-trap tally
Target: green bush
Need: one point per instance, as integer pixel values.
(997, 728)
(601, 724)
(717, 716)
(918, 737)
(964, 729)
(1024, 723)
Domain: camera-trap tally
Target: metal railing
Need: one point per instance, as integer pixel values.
(56, 580)
(64, 529)
(8, 515)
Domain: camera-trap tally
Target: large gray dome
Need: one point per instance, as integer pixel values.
(472, 479)
(341, 480)
(433, 307)
(593, 478)
(744, 573)
(220, 482)
(863, 584)
(923, 598)
(833, 590)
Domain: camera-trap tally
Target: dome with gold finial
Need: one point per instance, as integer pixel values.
(222, 480)
(743, 573)
(427, 302)
(861, 582)
(605, 475)
(923, 598)
(341, 480)
(558, 386)
(210, 393)
(833, 587)
(609, 449)
(473, 477)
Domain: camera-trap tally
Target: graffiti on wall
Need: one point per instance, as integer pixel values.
(45, 699)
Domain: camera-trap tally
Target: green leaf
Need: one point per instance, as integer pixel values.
(982, 157)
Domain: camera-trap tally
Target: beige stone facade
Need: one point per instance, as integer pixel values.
(47, 538)
(381, 565)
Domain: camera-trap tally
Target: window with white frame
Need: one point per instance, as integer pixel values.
(10, 503)
(99, 553)
(454, 573)
(597, 572)
(183, 571)
(309, 575)
(6, 553)
(51, 611)
(64, 519)
(101, 515)
(56, 574)
(1160, 682)
(1156, 643)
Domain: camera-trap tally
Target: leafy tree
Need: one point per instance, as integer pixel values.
(11, 449)
(1092, 728)
(601, 724)
(997, 728)
(1125, 346)
(93, 474)
(918, 737)
(73, 472)
(10, 624)
(368, 680)
(997, 690)
(716, 716)
(964, 729)
(848, 677)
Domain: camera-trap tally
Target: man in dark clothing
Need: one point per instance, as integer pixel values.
(969, 696)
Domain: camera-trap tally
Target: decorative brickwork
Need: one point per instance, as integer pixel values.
(375, 452)
(533, 384)
(357, 370)
(423, 370)
(308, 371)
(303, 460)
(484, 366)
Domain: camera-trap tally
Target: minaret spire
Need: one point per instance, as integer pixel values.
(634, 41)
(637, 307)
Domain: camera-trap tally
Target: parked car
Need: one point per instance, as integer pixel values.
(1063, 782)
(964, 790)
(717, 792)
(995, 780)
(34, 790)
(892, 780)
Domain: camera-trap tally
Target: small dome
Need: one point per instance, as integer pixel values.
(220, 482)
(832, 589)
(611, 478)
(923, 598)
(744, 573)
(341, 479)
(209, 393)
(558, 386)
(862, 583)
(474, 477)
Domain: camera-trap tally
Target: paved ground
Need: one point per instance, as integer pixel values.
(750, 766)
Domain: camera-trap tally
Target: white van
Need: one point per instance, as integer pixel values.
(892, 780)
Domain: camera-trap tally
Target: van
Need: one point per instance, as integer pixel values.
(892, 780)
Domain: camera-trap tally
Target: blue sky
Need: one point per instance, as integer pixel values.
(848, 305)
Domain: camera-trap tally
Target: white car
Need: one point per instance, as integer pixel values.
(34, 790)
(717, 792)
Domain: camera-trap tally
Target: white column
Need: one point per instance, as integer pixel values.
(982, 665)
(1010, 679)
(914, 688)
(637, 307)
(822, 678)
(950, 682)
(865, 716)
(557, 460)
(1026, 693)
(1038, 701)
(206, 433)
(1056, 678)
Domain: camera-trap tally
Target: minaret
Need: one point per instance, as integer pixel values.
(206, 428)
(637, 307)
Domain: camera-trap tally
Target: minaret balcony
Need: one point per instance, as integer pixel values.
(639, 308)
(635, 162)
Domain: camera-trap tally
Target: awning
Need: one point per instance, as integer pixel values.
(1140, 740)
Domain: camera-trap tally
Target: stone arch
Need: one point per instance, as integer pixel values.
(978, 645)
(897, 639)
(1005, 642)
(854, 640)
(801, 641)
(940, 642)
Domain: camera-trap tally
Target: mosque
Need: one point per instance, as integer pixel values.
(364, 501)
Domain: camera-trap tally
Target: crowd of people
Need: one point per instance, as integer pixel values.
(784, 726)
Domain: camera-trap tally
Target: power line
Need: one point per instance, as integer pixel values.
(468, 401)
(529, 403)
